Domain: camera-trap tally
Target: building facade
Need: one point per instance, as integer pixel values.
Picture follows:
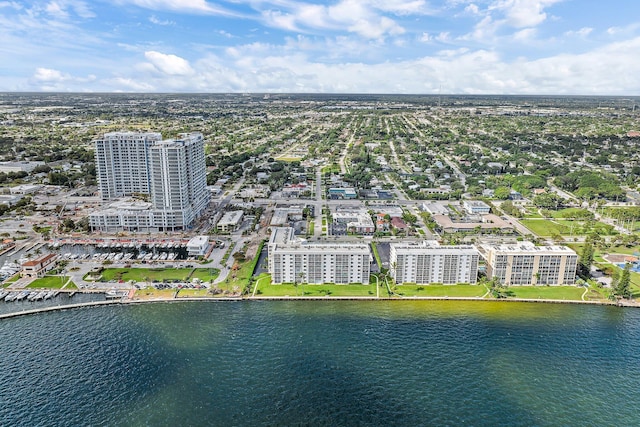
(428, 262)
(527, 264)
(38, 267)
(172, 172)
(122, 163)
(293, 260)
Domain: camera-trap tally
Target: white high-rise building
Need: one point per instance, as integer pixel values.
(429, 262)
(172, 172)
(122, 163)
(526, 264)
(295, 260)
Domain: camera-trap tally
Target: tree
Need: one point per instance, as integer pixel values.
(502, 193)
(586, 257)
(623, 289)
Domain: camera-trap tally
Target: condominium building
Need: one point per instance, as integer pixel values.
(294, 260)
(172, 172)
(122, 163)
(527, 264)
(429, 262)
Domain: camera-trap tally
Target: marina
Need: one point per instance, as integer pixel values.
(24, 301)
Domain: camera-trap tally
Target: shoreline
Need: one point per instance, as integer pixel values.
(298, 298)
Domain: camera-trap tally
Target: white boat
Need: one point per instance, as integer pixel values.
(11, 297)
(114, 293)
(3, 294)
(22, 295)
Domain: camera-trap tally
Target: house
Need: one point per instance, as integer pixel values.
(398, 224)
(38, 267)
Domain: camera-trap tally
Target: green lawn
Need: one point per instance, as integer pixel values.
(440, 290)
(532, 213)
(570, 213)
(546, 292)
(265, 288)
(12, 279)
(52, 282)
(157, 274)
(546, 228)
(205, 274)
(193, 293)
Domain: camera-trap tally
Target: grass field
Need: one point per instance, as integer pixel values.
(440, 290)
(571, 213)
(265, 288)
(158, 274)
(546, 228)
(546, 292)
(193, 293)
(52, 282)
(150, 293)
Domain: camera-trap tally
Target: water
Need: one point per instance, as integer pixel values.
(60, 300)
(334, 363)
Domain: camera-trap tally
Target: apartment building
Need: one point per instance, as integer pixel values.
(527, 264)
(172, 172)
(429, 262)
(294, 260)
(122, 163)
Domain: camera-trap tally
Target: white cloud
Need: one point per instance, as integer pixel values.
(523, 13)
(258, 67)
(168, 64)
(154, 20)
(472, 9)
(50, 75)
(402, 7)
(355, 16)
(49, 79)
(582, 32)
(62, 8)
(443, 37)
(10, 4)
(524, 35)
(186, 6)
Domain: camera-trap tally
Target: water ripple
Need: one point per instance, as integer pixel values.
(321, 364)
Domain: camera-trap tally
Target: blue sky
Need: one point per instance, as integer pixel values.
(579, 47)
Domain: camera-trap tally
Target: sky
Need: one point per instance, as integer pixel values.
(510, 47)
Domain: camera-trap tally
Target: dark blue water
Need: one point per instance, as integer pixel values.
(322, 363)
